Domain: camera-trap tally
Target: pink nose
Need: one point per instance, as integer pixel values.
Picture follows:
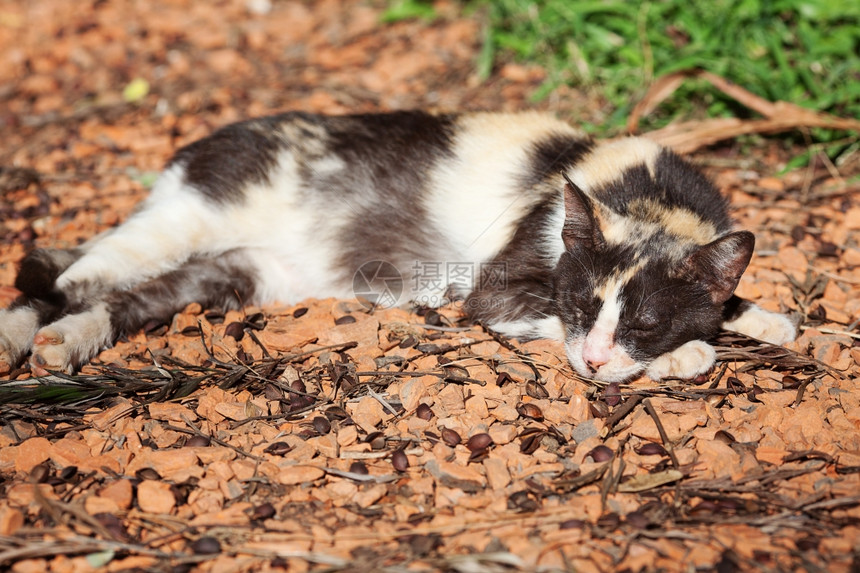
(597, 350)
(595, 363)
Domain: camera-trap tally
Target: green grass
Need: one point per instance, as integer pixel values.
(801, 51)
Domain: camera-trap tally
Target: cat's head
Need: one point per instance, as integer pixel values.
(631, 289)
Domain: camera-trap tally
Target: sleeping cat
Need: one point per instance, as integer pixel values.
(622, 251)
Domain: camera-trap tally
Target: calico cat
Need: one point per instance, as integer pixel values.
(623, 251)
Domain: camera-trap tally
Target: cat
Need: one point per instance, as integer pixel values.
(621, 250)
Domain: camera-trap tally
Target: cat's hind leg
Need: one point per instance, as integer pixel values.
(747, 318)
(226, 280)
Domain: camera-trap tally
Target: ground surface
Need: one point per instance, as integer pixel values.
(317, 436)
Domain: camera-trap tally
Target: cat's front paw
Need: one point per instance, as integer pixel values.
(763, 325)
(71, 341)
(16, 331)
(685, 362)
(51, 352)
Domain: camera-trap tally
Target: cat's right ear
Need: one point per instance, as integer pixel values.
(580, 225)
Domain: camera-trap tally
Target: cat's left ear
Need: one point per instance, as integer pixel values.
(718, 266)
(580, 225)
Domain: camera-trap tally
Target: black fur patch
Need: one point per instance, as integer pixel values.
(553, 155)
(388, 158)
(676, 183)
(222, 164)
(651, 322)
(224, 281)
(39, 271)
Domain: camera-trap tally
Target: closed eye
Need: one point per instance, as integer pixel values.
(645, 323)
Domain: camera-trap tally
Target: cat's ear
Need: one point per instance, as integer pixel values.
(580, 224)
(718, 266)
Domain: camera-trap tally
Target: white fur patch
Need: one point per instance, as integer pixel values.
(174, 222)
(763, 325)
(548, 327)
(606, 162)
(477, 198)
(686, 362)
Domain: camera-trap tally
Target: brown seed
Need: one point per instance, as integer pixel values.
(572, 524)
(263, 511)
(192, 330)
(358, 467)
(735, 386)
(612, 394)
(608, 521)
(479, 442)
(399, 460)
(522, 501)
(236, 330)
(828, 249)
(724, 437)
(530, 443)
(700, 379)
(600, 454)
(300, 312)
(754, 393)
(478, 455)
(598, 409)
(424, 412)
(790, 382)
(456, 373)
(278, 448)
(336, 413)
(298, 386)
(503, 378)
(198, 441)
(205, 546)
(651, 449)
(321, 425)
(808, 543)
(376, 440)
(256, 321)
(272, 392)
(818, 313)
(214, 317)
(422, 545)
(798, 232)
(529, 410)
(716, 400)
(450, 437)
(408, 342)
(637, 519)
(433, 318)
(40, 473)
(68, 473)
(536, 390)
(345, 319)
(114, 525)
(147, 474)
